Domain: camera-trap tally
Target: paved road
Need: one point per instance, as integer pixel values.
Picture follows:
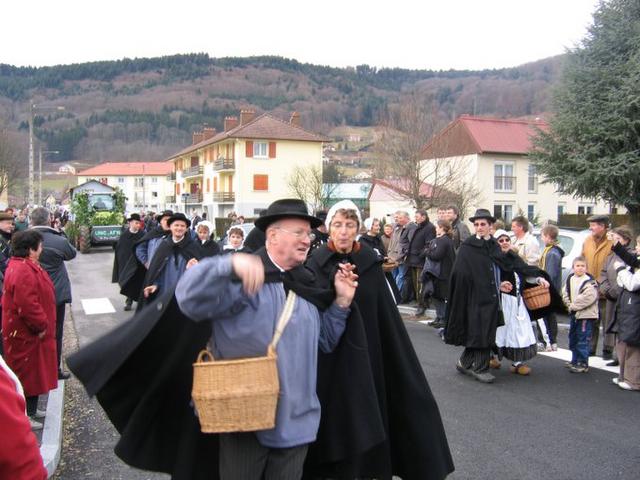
(551, 425)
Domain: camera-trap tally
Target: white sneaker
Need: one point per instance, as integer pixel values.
(554, 347)
(35, 425)
(40, 413)
(625, 386)
(615, 380)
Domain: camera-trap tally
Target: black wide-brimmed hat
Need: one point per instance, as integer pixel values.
(286, 208)
(482, 213)
(179, 216)
(134, 216)
(166, 213)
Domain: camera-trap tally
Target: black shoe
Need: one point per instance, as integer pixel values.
(419, 312)
(614, 363)
(128, 307)
(63, 375)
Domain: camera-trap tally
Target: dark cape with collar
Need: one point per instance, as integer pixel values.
(379, 417)
(132, 277)
(141, 374)
(474, 312)
(124, 250)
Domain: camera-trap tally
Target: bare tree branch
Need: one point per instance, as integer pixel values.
(9, 162)
(306, 184)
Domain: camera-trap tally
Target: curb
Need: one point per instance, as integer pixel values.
(51, 445)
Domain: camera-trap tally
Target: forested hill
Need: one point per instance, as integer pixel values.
(146, 109)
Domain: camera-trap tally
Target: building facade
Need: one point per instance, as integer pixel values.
(244, 168)
(493, 153)
(148, 186)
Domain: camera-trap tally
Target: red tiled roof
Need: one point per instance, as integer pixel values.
(128, 168)
(399, 185)
(264, 127)
(468, 134)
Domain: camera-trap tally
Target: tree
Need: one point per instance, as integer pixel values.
(400, 155)
(592, 146)
(331, 173)
(306, 184)
(9, 163)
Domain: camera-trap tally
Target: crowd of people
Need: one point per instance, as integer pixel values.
(348, 276)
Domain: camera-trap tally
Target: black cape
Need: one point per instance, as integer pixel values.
(141, 374)
(473, 311)
(134, 272)
(124, 250)
(210, 248)
(255, 240)
(379, 417)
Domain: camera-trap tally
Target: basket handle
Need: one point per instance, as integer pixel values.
(205, 353)
(285, 316)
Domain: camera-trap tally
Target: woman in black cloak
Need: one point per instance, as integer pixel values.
(384, 418)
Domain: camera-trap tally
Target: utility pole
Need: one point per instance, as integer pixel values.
(144, 198)
(32, 110)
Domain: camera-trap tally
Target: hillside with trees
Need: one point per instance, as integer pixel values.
(147, 108)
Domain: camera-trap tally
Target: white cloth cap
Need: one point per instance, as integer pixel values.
(500, 233)
(347, 205)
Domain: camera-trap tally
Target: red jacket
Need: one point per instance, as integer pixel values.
(19, 453)
(28, 309)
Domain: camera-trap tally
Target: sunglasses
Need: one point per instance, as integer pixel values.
(480, 224)
(504, 240)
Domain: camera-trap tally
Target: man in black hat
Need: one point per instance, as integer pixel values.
(141, 372)
(173, 255)
(474, 311)
(124, 252)
(148, 244)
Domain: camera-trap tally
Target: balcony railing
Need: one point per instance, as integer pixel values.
(192, 198)
(504, 184)
(224, 197)
(193, 171)
(170, 199)
(224, 164)
(171, 176)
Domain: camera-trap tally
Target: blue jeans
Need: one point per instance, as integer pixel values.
(400, 275)
(580, 339)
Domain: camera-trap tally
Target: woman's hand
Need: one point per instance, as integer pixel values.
(150, 290)
(506, 287)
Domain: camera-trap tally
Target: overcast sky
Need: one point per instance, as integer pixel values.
(423, 34)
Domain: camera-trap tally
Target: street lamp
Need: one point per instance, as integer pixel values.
(33, 108)
(42, 152)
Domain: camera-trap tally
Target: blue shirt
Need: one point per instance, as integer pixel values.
(243, 326)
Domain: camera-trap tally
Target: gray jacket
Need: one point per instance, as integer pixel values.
(56, 250)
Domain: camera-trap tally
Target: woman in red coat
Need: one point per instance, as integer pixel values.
(29, 319)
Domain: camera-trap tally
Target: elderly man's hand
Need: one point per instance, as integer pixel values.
(346, 283)
(150, 290)
(191, 263)
(250, 270)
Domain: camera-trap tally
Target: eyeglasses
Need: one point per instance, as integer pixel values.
(480, 224)
(300, 234)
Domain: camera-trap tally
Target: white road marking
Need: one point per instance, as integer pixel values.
(95, 306)
(565, 355)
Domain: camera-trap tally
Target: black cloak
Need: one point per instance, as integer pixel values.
(141, 373)
(124, 250)
(473, 311)
(210, 248)
(390, 427)
(132, 276)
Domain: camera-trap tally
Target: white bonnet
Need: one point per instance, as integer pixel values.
(347, 205)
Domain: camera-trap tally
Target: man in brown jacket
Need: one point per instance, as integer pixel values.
(596, 249)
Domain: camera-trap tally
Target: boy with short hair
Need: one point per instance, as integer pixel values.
(551, 262)
(580, 295)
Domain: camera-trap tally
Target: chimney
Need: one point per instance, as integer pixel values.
(230, 123)
(295, 119)
(208, 132)
(246, 116)
(197, 137)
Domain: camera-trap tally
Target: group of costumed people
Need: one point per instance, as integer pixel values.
(354, 402)
(486, 313)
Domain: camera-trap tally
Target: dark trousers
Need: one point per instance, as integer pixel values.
(602, 312)
(32, 405)
(551, 321)
(579, 339)
(242, 457)
(476, 359)
(416, 272)
(60, 312)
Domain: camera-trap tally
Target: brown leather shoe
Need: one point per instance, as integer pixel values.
(521, 369)
(494, 363)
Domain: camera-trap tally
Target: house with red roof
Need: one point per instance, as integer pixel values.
(148, 186)
(494, 154)
(246, 166)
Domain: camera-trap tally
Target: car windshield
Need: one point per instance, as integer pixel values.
(566, 242)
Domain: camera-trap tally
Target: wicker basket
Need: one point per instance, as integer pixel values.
(536, 297)
(239, 395)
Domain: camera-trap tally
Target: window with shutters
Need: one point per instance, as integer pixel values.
(260, 149)
(261, 182)
(208, 185)
(215, 184)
